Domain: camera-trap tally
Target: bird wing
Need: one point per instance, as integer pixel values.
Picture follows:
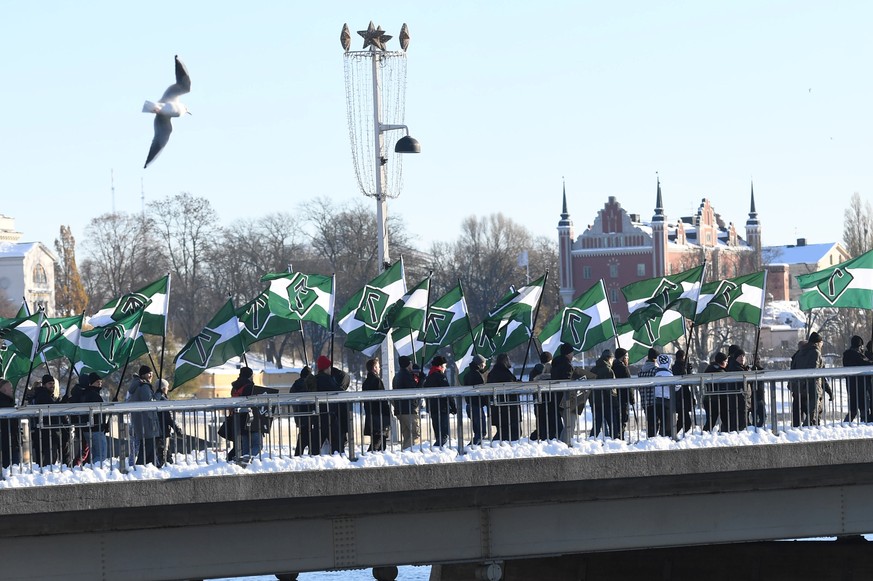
(182, 84)
(163, 128)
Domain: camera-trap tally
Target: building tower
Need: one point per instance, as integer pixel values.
(565, 253)
(753, 232)
(659, 237)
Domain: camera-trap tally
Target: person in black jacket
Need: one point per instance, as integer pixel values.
(10, 452)
(377, 415)
(439, 408)
(604, 402)
(544, 409)
(47, 441)
(739, 398)
(685, 403)
(98, 444)
(625, 394)
(407, 411)
(857, 386)
(325, 426)
(508, 412)
(714, 405)
(475, 375)
(303, 421)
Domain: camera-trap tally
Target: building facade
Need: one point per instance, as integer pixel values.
(621, 248)
(786, 263)
(27, 270)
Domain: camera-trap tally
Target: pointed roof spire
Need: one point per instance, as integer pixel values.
(753, 213)
(565, 215)
(659, 204)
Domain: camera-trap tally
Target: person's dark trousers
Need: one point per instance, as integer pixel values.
(662, 415)
(478, 419)
(651, 421)
(440, 422)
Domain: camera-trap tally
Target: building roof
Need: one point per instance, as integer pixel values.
(793, 254)
(22, 249)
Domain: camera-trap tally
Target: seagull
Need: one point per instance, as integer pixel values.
(169, 106)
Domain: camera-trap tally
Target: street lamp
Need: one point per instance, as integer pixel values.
(375, 107)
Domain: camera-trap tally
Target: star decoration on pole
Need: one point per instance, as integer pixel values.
(374, 36)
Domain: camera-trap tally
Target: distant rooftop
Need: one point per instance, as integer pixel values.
(798, 253)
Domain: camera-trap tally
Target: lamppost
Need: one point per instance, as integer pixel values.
(375, 106)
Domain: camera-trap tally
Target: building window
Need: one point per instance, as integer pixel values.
(39, 276)
(613, 295)
(641, 269)
(586, 272)
(613, 271)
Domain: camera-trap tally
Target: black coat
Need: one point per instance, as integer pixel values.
(473, 376)
(439, 405)
(377, 414)
(506, 414)
(405, 379)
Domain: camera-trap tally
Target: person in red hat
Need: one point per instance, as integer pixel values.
(326, 426)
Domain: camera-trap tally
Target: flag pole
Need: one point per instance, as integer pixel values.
(760, 320)
(127, 361)
(426, 313)
(164, 338)
(611, 316)
(533, 323)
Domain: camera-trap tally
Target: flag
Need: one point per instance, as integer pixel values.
(364, 316)
(447, 321)
(583, 324)
(259, 322)
(19, 339)
(651, 298)
(846, 285)
(654, 332)
(104, 349)
(740, 298)
(153, 298)
(513, 334)
(59, 337)
(410, 311)
(300, 296)
(517, 305)
(218, 342)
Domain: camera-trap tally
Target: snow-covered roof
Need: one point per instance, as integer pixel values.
(807, 254)
(21, 249)
(784, 313)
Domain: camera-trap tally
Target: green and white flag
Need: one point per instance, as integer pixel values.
(104, 349)
(59, 337)
(584, 323)
(654, 332)
(259, 322)
(513, 334)
(846, 285)
(740, 298)
(649, 299)
(447, 321)
(301, 296)
(517, 305)
(153, 298)
(220, 341)
(409, 312)
(19, 338)
(364, 317)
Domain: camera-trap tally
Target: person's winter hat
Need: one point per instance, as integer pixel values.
(144, 369)
(567, 349)
(857, 342)
(620, 353)
(653, 353)
(93, 378)
(607, 354)
(720, 357)
(322, 363)
(814, 338)
(246, 372)
(404, 361)
(478, 360)
(664, 361)
(437, 361)
(47, 378)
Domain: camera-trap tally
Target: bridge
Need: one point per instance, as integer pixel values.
(464, 514)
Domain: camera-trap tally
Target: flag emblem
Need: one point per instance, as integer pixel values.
(575, 327)
(835, 285)
(371, 309)
(128, 304)
(109, 341)
(202, 347)
(301, 296)
(724, 296)
(255, 318)
(437, 325)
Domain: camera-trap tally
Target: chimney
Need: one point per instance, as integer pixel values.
(801, 241)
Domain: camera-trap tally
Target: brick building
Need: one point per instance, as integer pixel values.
(621, 248)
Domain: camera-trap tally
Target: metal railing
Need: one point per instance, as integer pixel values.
(127, 436)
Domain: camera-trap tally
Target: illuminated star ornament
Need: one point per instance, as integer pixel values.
(375, 37)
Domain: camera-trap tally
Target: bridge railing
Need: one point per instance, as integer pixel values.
(456, 419)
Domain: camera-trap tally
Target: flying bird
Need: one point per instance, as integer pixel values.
(169, 106)
(404, 37)
(346, 38)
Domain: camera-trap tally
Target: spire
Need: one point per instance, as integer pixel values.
(659, 205)
(565, 215)
(753, 213)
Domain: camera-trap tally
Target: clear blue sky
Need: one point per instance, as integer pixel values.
(505, 97)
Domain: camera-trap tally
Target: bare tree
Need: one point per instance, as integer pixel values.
(70, 297)
(858, 226)
(120, 256)
(186, 227)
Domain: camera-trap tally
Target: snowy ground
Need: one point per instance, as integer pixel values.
(214, 465)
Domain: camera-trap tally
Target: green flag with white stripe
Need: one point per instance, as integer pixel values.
(584, 323)
(364, 317)
(846, 285)
(301, 296)
(651, 298)
(740, 298)
(218, 342)
(153, 298)
(654, 332)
